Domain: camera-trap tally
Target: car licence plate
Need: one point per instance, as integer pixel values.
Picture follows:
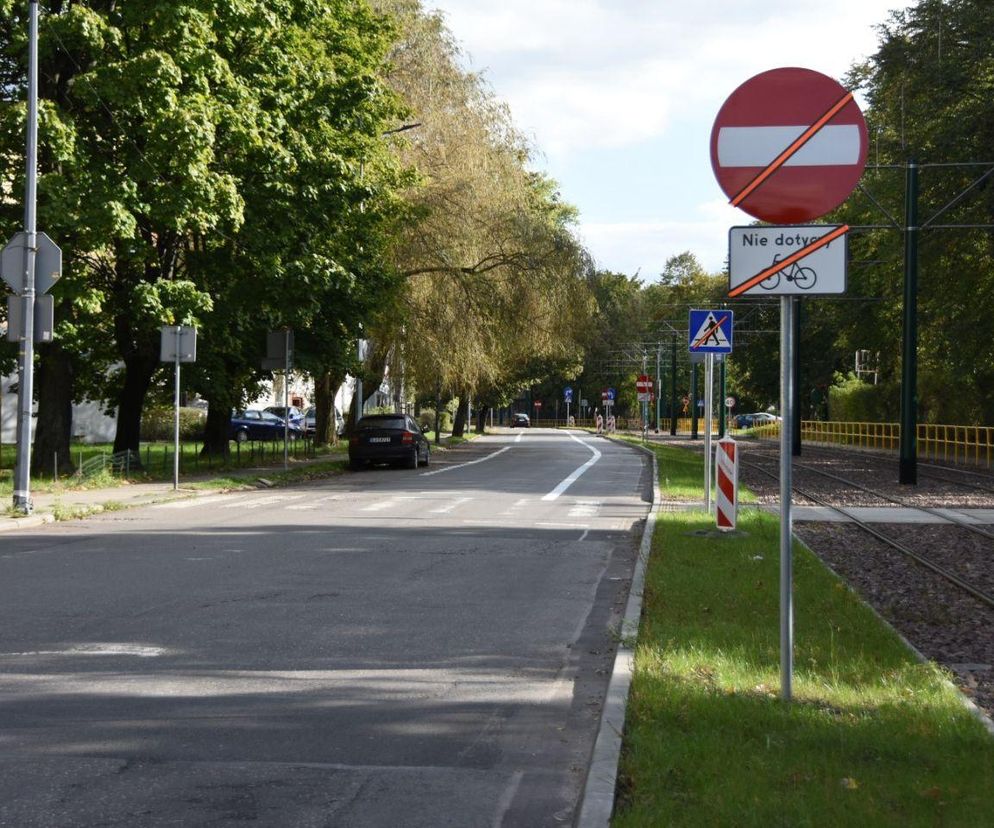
(379, 439)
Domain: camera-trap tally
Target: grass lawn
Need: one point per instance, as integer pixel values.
(873, 737)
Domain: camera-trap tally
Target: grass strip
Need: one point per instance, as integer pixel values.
(873, 737)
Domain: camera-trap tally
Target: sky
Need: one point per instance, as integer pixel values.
(618, 98)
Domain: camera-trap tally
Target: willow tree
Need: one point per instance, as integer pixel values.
(494, 275)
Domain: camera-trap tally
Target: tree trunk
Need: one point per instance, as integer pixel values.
(216, 429)
(325, 422)
(481, 418)
(459, 426)
(138, 369)
(53, 429)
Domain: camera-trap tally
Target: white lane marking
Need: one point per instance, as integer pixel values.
(569, 481)
(584, 535)
(561, 525)
(444, 510)
(518, 438)
(197, 501)
(260, 501)
(313, 504)
(585, 508)
(470, 463)
(513, 510)
(386, 504)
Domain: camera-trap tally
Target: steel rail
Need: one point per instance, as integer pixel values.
(950, 576)
(928, 509)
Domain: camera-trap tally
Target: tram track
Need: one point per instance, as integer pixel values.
(987, 598)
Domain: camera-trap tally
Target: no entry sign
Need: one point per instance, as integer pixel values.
(789, 145)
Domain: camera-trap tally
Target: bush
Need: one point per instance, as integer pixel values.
(426, 419)
(850, 400)
(157, 424)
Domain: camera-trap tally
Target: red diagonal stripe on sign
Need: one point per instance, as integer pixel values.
(723, 519)
(788, 153)
(711, 330)
(752, 281)
(727, 489)
(729, 449)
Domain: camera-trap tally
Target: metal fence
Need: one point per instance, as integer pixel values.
(969, 445)
(155, 458)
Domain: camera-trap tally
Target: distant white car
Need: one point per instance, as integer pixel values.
(762, 418)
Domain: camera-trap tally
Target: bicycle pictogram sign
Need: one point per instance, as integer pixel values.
(802, 277)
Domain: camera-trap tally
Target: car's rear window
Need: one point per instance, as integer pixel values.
(367, 423)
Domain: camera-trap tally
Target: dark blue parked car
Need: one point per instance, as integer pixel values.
(258, 425)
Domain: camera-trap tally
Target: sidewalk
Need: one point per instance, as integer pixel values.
(79, 503)
(83, 502)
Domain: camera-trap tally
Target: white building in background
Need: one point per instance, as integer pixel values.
(91, 425)
(89, 422)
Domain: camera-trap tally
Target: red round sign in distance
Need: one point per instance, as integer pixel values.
(789, 145)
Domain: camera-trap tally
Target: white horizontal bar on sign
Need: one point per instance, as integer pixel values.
(759, 146)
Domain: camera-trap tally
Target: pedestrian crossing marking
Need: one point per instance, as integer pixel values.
(443, 510)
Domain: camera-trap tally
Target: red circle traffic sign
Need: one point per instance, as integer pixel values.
(789, 145)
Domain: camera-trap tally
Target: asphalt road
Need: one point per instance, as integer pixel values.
(388, 648)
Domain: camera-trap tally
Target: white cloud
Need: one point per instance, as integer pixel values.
(588, 73)
(645, 246)
(610, 91)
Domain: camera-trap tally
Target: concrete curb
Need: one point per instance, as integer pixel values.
(29, 522)
(597, 800)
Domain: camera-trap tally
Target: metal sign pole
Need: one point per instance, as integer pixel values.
(708, 385)
(786, 559)
(25, 385)
(179, 332)
(286, 399)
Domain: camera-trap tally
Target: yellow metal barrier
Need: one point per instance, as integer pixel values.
(949, 443)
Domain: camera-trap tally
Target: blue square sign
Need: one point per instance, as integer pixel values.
(710, 332)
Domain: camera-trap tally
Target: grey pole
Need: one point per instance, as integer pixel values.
(178, 330)
(786, 558)
(795, 417)
(286, 399)
(693, 401)
(708, 402)
(25, 387)
(722, 395)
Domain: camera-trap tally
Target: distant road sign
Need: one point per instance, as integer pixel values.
(710, 331)
(537, 403)
(812, 260)
(729, 402)
(789, 145)
(568, 394)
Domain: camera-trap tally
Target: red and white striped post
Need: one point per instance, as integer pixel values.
(727, 478)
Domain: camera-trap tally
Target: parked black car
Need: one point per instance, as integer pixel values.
(388, 438)
(258, 425)
(520, 421)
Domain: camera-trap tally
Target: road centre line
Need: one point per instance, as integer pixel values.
(569, 481)
(470, 463)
